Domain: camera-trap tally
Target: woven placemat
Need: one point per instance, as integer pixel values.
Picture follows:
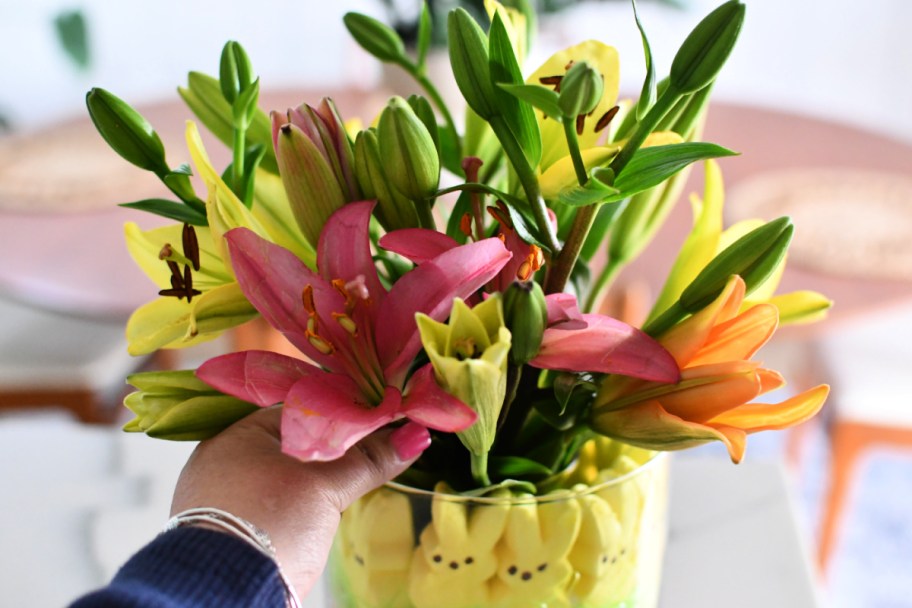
(68, 169)
(849, 222)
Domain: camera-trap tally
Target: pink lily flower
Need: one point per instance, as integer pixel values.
(361, 337)
(573, 341)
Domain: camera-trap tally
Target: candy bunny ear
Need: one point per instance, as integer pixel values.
(386, 521)
(598, 540)
(559, 521)
(522, 533)
(449, 517)
(487, 524)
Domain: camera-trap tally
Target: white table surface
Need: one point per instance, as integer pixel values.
(77, 501)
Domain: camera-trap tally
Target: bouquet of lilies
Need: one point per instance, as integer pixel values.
(442, 278)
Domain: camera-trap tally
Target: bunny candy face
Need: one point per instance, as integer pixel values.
(533, 565)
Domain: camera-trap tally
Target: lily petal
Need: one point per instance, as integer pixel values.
(344, 248)
(430, 289)
(324, 415)
(739, 338)
(431, 406)
(685, 339)
(417, 244)
(754, 417)
(257, 376)
(606, 346)
(563, 311)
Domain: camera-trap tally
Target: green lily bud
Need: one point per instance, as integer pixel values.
(235, 71)
(580, 90)
(753, 257)
(469, 355)
(378, 39)
(706, 49)
(468, 47)
(407, 151)
(393, 210)
(176, 405)
(526, 316)
(126, 131)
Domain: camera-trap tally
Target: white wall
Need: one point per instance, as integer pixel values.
(843, 59)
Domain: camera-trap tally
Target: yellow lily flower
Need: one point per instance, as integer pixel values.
(174, 321)
(605, 60)
(711, 402)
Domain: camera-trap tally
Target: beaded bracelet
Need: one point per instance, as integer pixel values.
(240, 528)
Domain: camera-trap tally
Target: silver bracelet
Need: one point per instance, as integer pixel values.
(240, 528)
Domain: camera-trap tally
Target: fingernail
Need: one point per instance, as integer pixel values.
(410, 440)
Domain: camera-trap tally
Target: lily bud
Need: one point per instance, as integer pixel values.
(407, 151)
(580, 90)
(126, 131)
(526, 315)
(469, 355)
(468, 47)
(393, 210)
(315, 159)
(176, 405)
(706, 49)
(378, 39)
(753, 257)
(235, 71)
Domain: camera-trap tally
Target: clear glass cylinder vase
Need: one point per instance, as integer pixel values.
(596, 541)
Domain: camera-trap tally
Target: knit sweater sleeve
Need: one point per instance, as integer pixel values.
(191, 567)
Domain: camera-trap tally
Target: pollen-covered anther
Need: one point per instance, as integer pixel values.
(465, 224)
(320, 343)
(346, 323)
(353, 291)
(166, 252)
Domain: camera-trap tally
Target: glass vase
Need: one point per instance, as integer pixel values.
(596, 541)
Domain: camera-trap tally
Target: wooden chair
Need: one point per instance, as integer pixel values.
(868, 364)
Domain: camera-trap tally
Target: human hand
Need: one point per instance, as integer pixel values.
(243, 471)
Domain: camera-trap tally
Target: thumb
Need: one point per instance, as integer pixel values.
(375, 460)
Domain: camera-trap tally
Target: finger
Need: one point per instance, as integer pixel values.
(375, 460)
(268, 419)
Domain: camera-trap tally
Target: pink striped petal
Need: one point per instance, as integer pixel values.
(257, 376)
(430, 289)
(417, 244)
(325, 414)
(606, 346)
(273, 279)
(343, 251)
(431, 406)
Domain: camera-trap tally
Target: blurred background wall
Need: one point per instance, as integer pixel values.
(843, 59)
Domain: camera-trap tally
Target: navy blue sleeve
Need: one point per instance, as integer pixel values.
(191, 567)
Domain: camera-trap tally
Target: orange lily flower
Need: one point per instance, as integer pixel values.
(713, 348)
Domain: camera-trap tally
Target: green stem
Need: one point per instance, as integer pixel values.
(425, 215)
(514, 375)
(480, 469)
(528, 180)
(562, 267)
(237, 167)
(644, 128)
(600, 288)
(435, 96)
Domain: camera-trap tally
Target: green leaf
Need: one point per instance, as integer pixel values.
(253, 156)
(648, 94)
(425, 33)
(598, 189)
(169, 209)
(375, 37)
(651, 166)
(126, 131)
(73, 36)
(600, 227)
(204, 98)
(707, 47)
(517, 467)
(179, 183)
(519, 115)
(538, 96)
